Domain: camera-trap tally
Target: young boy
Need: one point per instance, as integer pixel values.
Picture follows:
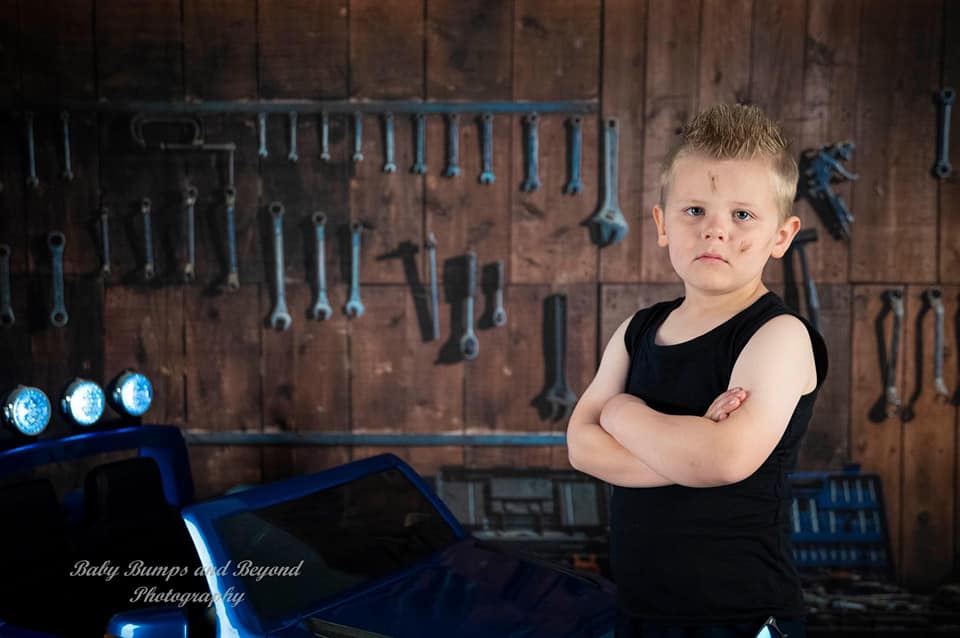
(700, 509)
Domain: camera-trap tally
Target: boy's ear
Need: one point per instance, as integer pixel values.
(661, 227)
(785, 235)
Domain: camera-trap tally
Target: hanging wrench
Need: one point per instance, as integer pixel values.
(189, 201)
(58, 316)
(354, 307)
(419, 164)
(321, 309)
(487, 176)
(7, 318)
(559, 397)
(469, 346)
(532, 182)
(279, 319)
(499, 314)
(453, 145)
(325, 136)
(32, 179)
(945, 98)
(262, 133)
(105, 241)
(934, 297)
(574, 185)
(148, 269)
(292, 155)
(895, 299)
(357, 136)
(434, 304)
(67, 169)
(233, 275)
(388, 166)
(608, 224)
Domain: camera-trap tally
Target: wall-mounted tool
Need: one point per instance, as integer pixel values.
(67, 167)
(292, 155)
(453, 145)
(357, 136)
(280, 318)
(32, 180)
(189, 203)
(321, 309)
(325, 136)
(934, 297)
(558, 399)
(434, 301)
(499, 314)
(192, 124)
(148, 266)
(945, 98)
(7, 318)
(354, 306)
(56, 241)
(532, 180)
(419, 161)
(821, 170)
(469, 345)
(486, 142)
(574, 185)
(262, 134)
(608, 225)
(389, 166)
(894, 300)
(806, 236)
(105, 242)
(233, 274)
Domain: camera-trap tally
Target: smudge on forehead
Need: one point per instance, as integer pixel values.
(713, 182)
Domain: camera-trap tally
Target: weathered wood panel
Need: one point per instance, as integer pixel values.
(949, 222)
(219, 48)
(386, 48)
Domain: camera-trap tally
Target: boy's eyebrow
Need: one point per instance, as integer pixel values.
(690, 200)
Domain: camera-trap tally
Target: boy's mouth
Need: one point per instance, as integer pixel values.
(710, 257)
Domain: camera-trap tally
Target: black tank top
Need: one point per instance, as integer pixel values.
(707, 555)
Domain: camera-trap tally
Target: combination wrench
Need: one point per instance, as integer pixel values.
(279, 319)
(559, 397)
(357, 136)
(189, 202)
(262, 134)
(56, 241)
(608, 224)
(321, 310)
(7, 318)
(389, 166)
(292, 155)
(354, 307)
(32, 179)
(325, 136)
(895, 300)
(499, 314)
(486, 141)
(453, 145)
(469, 346)
(419, 162)
(532, 181)
(934, 297)
(67, 167)
(105, 241)
(574, 185)
(148, 267)
(945, 99)
(434, 302)
(233, 274)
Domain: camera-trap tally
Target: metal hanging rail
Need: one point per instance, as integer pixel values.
(306, 439)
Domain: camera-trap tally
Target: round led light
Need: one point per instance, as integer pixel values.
(83, 402)
(131, 393)
(27, 410)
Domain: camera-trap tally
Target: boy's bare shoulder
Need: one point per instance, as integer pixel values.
(784, 337)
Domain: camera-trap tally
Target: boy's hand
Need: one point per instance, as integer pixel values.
(726, 403)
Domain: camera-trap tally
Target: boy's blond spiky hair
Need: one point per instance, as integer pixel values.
(737, 131)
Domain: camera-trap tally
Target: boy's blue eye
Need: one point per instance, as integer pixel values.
(747, 213)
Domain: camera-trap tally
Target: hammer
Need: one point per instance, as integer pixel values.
(805, 236)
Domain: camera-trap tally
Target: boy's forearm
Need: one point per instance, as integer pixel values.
(593, 451)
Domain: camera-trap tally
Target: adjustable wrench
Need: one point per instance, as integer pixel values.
(895, 299)
(279, 319)
(58, 316)
(608, 223)
(7, 318)
(148, 269)
(419, 164)
(934, 297)
(532, 181)
(32, 180)
(469, 346)
(262, 134)
(574, 185)
(945, 98)
(453, 145)
(67, 168)
(321, 309)
(559, 397)
(354, 307)
(434, 303)
(487, 176)
(357, 137)
(189, 202)
(233, 275)
(325, 136)
(389, 166)
(105, 241)
(292, 155)
(499, 314)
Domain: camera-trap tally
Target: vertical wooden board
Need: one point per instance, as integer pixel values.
(929, 444)
(875, 438)
(219, 49)
(949, 223)
(386, 49)
(724, 68)
(139, 49)
(16, 362)
(624, 62)
(303, 49)
(9, 52)
(57, 46)
(670, 102)
(830, 99)
(894, 236)
(217, 469)
(13, 219)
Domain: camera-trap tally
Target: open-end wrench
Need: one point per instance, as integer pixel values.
(67, 168)
(453, 145)
(58, 315)
(233, 274)
(608, 224)
(357, 136)
(32, 179)
(292, 155)
(321, 310)
(354, 307)
(469, 345)
(945, 98)
(7, 318)
(279, 319)
(262, 134)
(148, 267)
(389, 166)
(532, 181)
(559, 396)
(419, 162)
(486, 134)
(499, 314)
(895, 299)
(574, 185)
(934, 297)
(105, 241)
(189, 202)
(325, 136)
(434, 302)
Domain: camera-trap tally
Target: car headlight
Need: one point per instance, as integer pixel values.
(26, 410)
(83, 402)
(130, 393)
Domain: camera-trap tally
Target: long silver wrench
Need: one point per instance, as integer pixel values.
(105, 241)
(574, 185)
(262, 134)
(357, 136)
(389, 166)
(532, 181)
(945, 98)
(233, 275)
(419, 161)
(321, 310)
(32, 179)
(292, 155)
(148, 266)
(895, 299)
(486, 141)
(434, 302)
(189, 202)
(499, 314)
(58, 315)
(469, 345)
(280, 318)
(453, 145)
(325, 136)
(67, 167)
(934, 297)
(354, 307)
(7, 318)
(608, 224)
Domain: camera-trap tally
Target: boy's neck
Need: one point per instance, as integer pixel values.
(699, 304)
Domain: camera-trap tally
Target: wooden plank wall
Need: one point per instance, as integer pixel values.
(830, 70)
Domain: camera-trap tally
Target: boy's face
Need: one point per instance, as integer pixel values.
(725, 207)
